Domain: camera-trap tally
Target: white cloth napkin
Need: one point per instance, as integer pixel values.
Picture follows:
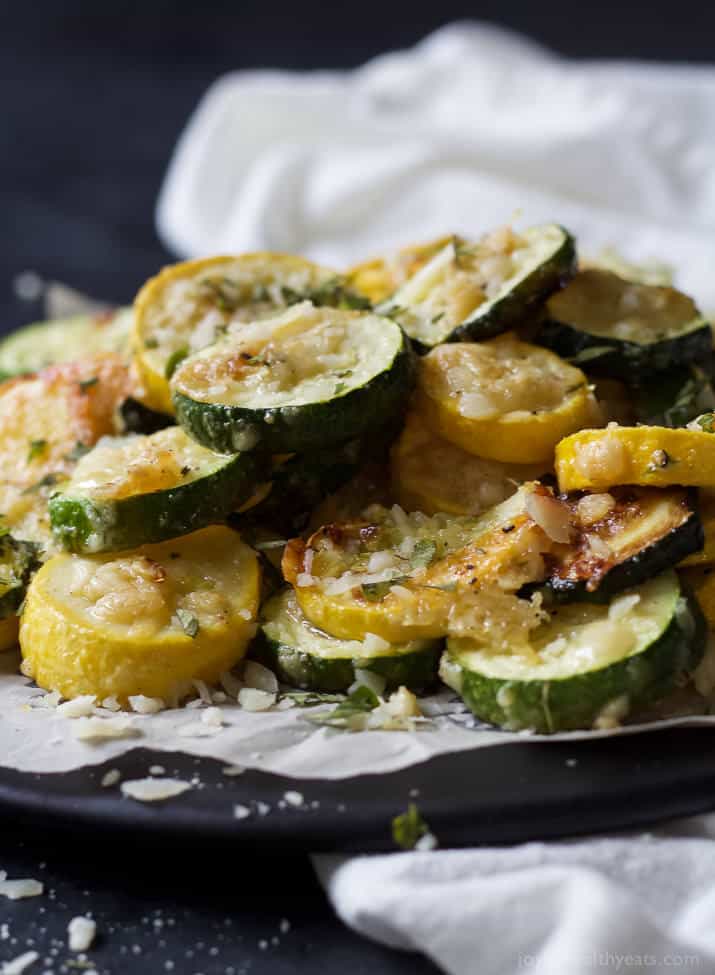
(457, 134)
(638, 902)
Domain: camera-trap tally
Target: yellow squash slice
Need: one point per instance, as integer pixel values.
(431, 474)
(380, 277)
(503, 399)
(651, 456)
(147, 621)
(47, 420)
(190, 305)
(405, 577)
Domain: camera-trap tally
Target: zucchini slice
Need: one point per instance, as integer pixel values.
(430, 474)
(18, 560)
(473, 290)
(503, 399)
(65, 340)
(624, 538)
(624, 328)
(190, 305)
(672, 398)
(304, 656)
(147, 621)
(305, 379)
(299, 482)
(130, 491)
(588, 665)
(136, 417)
(380, 277)
(594, 460)
(399, 576)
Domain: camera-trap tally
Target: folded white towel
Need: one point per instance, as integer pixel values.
(459, 133)
(618, 904)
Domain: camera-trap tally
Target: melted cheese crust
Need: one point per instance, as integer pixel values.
(305, 355)
(120, 467)
(496, 378)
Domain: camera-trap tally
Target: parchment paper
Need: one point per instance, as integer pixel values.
(39, 739)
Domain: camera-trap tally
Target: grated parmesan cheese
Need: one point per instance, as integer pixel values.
(252, 699)
(18, 965)
(146, 705)
(81, 932)
(97, 729)
(15, 890)
(154, 790)
(78, 707)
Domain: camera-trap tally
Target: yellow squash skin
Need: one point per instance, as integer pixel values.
(431, 474)
(650, 456)
(66, 649)
(521, 436)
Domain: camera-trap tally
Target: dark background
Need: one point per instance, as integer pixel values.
(93, 96)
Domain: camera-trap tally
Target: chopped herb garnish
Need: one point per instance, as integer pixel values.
(409, 827)
(350, 711)
(49, 480)
(438, 318)
(151, 343)
(308, 699)
(173, 361)
(446, 587)
(706, 422)
(270, 544)
(224, 293)
(185, 470)
(375, 592)
(78, 451)
(36, 449)
(85, 384)
(586, 355)
(189, 623)
(423, 553)
(340, 388)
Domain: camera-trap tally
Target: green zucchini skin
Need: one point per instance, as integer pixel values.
(518, 305)
(310, 426)
(136, 417)
(303, 481)
(18, 562)
(312, 672)
(672, 398)
(571, 703)
(46, 343)
(85, 526)
(621, 359)
(654, 558)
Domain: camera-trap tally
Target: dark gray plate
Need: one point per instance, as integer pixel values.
(493, 795)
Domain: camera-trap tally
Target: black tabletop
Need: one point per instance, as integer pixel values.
(92, 97)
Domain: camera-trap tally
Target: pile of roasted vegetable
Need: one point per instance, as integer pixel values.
(474, 460)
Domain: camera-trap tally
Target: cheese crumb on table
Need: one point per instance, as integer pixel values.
(154, 790)
(81, 932)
